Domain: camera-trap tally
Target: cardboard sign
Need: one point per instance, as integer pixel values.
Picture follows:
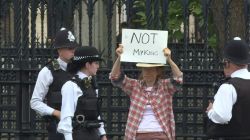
(145, 46)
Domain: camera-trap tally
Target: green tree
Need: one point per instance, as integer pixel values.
(224, 19)
(229, 19)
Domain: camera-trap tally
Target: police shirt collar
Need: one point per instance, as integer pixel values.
(82, 75)
(63, 65)
(241, 73)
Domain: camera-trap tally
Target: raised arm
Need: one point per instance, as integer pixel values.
(115, 73)
(177, 73)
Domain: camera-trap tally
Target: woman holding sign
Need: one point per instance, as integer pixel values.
(150, 113)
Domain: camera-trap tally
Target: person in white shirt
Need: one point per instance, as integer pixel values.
(80, 110)
(229, 114)
(50, 80)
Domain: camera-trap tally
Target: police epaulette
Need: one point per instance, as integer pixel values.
(77, 80)
(53, 65)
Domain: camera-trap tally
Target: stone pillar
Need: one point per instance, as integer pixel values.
(99, 28)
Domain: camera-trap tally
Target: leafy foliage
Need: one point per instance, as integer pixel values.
(144, 18)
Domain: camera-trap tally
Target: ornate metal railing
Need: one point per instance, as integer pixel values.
(27, 29)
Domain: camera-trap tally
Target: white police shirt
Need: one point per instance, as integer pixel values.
(44, 80)
(225, 98)
(70, 94)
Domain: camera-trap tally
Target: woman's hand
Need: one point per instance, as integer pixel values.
(167, 53)
(119, 50)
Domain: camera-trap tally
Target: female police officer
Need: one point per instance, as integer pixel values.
(79, 112)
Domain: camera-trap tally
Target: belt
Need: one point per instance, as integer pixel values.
(79, 121)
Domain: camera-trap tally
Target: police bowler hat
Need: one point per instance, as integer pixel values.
(86, 54)
(237, 51)
(64, 39)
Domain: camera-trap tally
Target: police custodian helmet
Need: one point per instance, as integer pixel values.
(237, 51)
(64, 39)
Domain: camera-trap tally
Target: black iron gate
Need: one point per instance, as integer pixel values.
(26, 32)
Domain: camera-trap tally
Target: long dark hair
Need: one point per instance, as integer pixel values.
(74, 66)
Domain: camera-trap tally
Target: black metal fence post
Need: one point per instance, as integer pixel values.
(24, 52)
(17, 44)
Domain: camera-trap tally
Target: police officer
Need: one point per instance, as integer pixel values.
(229, 113)
(80, 116)
(50, 80)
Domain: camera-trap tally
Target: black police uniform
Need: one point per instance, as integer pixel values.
(85, 120)
(64, 39)
(54, 97)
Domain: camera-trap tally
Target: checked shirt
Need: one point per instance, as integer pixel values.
(160, 100)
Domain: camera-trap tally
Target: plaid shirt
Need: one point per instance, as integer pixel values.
(160, 99)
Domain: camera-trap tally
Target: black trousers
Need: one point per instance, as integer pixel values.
(52, 133)
(86, 134)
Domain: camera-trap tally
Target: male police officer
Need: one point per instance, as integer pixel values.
(229, 113)
(50, 80)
